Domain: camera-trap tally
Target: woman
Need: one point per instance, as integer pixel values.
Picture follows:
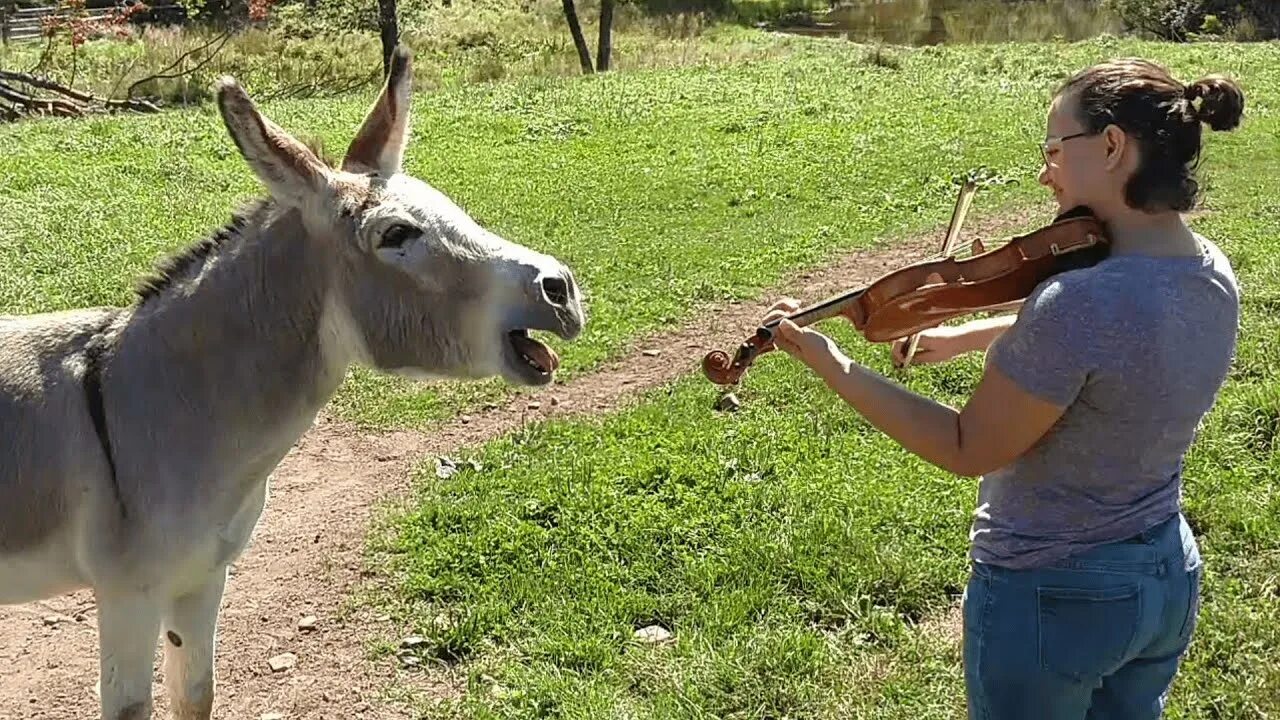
(1085, 576)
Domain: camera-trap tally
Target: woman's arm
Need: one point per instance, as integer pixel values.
(942, 343)
(979, 334)
(998, 423)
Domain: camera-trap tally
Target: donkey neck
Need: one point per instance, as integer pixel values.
(228, 357)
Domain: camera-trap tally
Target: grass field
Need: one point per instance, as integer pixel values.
(800, 560)
(804, 564)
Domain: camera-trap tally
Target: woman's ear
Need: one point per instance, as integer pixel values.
(1117, 145)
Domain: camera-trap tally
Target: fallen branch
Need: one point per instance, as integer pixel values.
(31, 104)
(80, 96)
(69, 102)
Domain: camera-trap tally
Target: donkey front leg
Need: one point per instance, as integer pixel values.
(191, 626)
(128, 624)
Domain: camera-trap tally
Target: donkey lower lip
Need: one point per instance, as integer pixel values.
(533, 352)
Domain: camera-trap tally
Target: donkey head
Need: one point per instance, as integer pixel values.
(427, 290)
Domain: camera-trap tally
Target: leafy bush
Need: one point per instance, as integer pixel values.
(1183, 20)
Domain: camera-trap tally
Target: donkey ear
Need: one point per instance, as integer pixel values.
(291, 172)
(379, 144)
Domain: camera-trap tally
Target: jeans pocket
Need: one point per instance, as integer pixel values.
(1086, 632)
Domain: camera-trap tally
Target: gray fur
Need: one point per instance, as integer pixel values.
(224, 360)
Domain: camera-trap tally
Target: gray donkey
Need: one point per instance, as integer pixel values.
(138, 441)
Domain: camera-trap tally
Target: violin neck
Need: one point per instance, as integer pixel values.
(821, 310)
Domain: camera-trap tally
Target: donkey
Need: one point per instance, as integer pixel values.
(138, 441)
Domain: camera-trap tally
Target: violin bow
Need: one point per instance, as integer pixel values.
(963, 200)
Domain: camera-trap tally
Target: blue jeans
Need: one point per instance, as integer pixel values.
(1098, 635)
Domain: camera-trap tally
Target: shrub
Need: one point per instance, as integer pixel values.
(1182, 20)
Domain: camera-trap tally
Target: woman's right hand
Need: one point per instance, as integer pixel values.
(937, 344)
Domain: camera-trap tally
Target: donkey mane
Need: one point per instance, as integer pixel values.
(188, 261)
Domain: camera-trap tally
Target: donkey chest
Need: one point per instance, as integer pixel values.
(205, 543)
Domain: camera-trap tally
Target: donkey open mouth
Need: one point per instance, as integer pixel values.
(534, 353)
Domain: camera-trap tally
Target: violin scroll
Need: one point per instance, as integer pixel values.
(723, 370)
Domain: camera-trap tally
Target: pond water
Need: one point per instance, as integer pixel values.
(931, 22)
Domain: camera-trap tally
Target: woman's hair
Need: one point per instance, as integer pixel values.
(1145, 101)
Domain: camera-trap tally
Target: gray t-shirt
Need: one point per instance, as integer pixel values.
(1137, 347)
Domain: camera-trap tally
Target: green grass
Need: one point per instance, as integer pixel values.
(797, 555)
(663, 189)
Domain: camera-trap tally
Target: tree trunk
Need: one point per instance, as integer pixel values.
(389, 31)
(605, 47)
(584, 55)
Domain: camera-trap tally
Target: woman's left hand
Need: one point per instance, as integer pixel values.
(803, 343)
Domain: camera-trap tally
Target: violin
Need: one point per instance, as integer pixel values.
(925, 294)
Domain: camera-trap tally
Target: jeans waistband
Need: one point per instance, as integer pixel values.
(1155, 550)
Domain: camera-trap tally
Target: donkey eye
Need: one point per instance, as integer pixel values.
(397, 235)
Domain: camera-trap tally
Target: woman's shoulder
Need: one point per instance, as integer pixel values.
(1218, 263)
(1070, 287)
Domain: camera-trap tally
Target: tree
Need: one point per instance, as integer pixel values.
(605, 43)
(389, 30)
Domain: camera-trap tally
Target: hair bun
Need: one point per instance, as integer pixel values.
(1221, 102)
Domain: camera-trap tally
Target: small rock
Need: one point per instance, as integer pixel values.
(728, 403)
(653, 634)
(413, 641)
(308, 622)
(651, 353)
(464, 419)
(410, 660)
(500, 691)
(282, 662)
(445, 467)
(555, 400)
(52, 620)
(534, 405)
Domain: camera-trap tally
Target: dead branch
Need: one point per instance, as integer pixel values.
(24, 102)
(30, 104)
(166, 75)
(318, 89)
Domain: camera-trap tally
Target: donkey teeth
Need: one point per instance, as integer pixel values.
(534, 353)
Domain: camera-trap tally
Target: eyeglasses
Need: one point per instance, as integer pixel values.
(1053, 141)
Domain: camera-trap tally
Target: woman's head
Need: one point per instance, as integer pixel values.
(1125, 134)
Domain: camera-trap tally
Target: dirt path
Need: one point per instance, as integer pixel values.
(305, 560)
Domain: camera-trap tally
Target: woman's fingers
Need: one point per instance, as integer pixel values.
(780, 309)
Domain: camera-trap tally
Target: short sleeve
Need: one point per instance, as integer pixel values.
(1047, 351)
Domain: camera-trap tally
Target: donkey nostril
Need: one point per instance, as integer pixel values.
(557, 290)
